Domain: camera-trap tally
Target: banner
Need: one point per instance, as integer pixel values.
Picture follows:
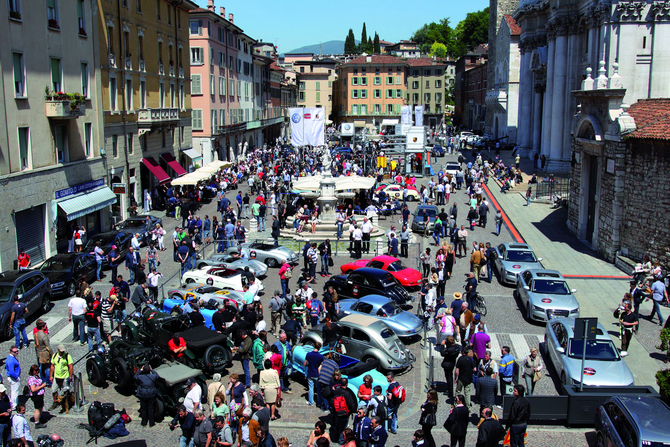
(418, 116)
(297, 126)
(315, 125)
(406, 115)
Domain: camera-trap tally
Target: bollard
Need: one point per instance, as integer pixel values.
(424, 344)
(79, 399)
(430, 382)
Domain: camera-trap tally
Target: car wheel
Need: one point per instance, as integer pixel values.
(515, 294)
(217, 358)
(121, 371)
(368, 359)
(95, 376)
(46, 303)
(179, 393)
(271, 262)
(159, 410)
(127, 334)
(8, 333)
(190, 280)
(71, 288)
(201, 265)
(410, 198)
(309, 343)
(528, 314)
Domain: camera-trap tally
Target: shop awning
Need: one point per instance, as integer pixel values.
(87, 202)
(386, 122)
(192, 154)
(156, 169)
(174, 164)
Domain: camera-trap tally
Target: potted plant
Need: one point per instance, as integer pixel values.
(82, 32)
(53, 23)
(663, 381)
(76, 99)
(47, 93)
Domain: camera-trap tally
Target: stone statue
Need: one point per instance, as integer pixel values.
(326, 160)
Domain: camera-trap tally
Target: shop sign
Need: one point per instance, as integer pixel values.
(76, 189)
(119, 188)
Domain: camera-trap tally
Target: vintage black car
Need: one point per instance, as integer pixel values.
(122, 360)
(369, 281)
(64, 270)
(207, 350)
(107, 239)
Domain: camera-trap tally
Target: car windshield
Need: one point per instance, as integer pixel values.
(396, 266)
(602, 350)
(389, 309)
(5, 292)
(430, 211)
(104, 240)
(132, 224)
(452, 166)
(551, 287)
(388, 281)
(55, 265)
(520, 256)
(386, 333)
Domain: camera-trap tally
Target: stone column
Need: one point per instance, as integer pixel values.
(548, 97)
(572, 76)
(558, 100)
(537, 120)
(660, 75)
(525, 107)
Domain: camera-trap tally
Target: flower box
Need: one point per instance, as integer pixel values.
(53, 23)
(15, 15)
(82, 32)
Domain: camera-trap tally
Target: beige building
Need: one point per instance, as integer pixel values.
(51, 170)
(315, 83)
(426, 87)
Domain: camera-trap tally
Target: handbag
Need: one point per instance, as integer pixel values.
(537, 376)
(429, 419)
(330, 262)
(449, 425)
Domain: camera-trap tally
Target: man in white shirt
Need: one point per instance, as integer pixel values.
(76, 310)
(366, 228)
(135, 242)
(305, 292)
(440, 194)
(253, 287)
(20, 426)
(352, 229)
(192, 399)
(152, 279)
(358, 237)
(340, 223)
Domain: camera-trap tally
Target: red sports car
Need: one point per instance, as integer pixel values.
(407, 277)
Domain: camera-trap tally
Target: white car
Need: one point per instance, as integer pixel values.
(222, 278)
(451, 167)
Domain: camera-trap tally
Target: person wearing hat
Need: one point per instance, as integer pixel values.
(61, 369)
(362, 426)
(146, 391)
(114, 257)
(192, 399)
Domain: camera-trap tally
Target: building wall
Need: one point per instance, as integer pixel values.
(427, 79)
(315, 84)
(503, 94)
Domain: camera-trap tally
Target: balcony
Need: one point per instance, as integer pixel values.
(181, 72)
(112, 60)
(171, 68)
(157, 116)
(64, 109)
(142, 66)
(161, 68)
(129, 62)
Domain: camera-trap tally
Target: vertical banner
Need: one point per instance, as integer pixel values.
(297, 126)
(418, 115)
(315, 125)
(406, 115)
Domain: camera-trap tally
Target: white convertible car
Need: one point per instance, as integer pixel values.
(222, 278)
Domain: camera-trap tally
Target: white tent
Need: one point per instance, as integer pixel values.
(353, 182)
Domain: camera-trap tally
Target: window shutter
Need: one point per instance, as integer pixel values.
(51, 3)
(195, 84)
(55, 71)
(18, 72)
(79, 9)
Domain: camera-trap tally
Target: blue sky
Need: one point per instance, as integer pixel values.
(290, 25)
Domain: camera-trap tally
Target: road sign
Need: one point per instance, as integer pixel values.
(586, 328)
(119, 188)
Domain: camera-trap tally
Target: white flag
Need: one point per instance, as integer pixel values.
(406, 115)
(297, 126)
(418, 115)
(315, 124)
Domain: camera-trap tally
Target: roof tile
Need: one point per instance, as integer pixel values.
(514, 27)
(652, 119)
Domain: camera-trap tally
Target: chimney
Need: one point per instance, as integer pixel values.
(210, 5)
(222, 10)
(230, 17)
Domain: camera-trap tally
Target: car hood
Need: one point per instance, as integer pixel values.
(510, 266)
(406, 320)
(568, 302)
(408, 275)
(355, 265)
(55, 277)
(606, 373)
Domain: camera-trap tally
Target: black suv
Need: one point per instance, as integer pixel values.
(33, 289)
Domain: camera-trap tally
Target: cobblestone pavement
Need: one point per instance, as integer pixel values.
(504, 320)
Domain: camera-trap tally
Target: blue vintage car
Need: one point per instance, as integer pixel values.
(212, 300)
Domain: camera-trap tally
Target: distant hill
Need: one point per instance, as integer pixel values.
(330, 47)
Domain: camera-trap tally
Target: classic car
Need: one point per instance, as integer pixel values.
(212, 301)
(545, 294)
(604, 366)
(107, 239)
(638, 421)
(407, 277)
(513, 258)
(265, 252)
(142, 224)
(417, 217)
(223, 278)
(396, 192)
(64, 270)
(233, 263)
(367, 339)
(207, 350)
(403, 323)
(366, 281)
(122, 360)
(33, 289)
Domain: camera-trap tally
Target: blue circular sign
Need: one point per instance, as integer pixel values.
(295, 118)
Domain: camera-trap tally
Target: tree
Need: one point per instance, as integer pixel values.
(438, 49)
(471, 31)
(435, 32)
(369, 47)
(364, 36)
(350, 43)
(376, 48)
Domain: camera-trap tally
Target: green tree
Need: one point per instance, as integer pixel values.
(377, 49)
(471, 31)
(369, 47)
(438, 49)
(350, 43)
(364, 36)
(435, 32)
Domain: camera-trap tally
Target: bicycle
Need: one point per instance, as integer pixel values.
(479, 305)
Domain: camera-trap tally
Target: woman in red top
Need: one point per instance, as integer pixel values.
(365, 390)
(275, 359)
(177, 345)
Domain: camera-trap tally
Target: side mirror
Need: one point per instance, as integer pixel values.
(623, 354)
(573, 291)
(560, 350)
(539, 259)
(526, 288)
(20, 296)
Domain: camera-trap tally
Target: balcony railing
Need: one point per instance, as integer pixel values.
(171, 68)
(142, 66)
(129, 63)
(161, 68)
(156, 116)
(64, 109)
(112, 60)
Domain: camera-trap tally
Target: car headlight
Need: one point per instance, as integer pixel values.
(58, 284)
(574, 311)
(537, 308)
(389, 361)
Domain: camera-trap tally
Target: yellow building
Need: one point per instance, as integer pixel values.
(145, 59)
(315, 83)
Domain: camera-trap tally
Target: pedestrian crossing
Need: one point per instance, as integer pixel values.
(520, 344)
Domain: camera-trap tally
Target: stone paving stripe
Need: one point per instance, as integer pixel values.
(624, 277)
(508, 222)
(520, 346)
(534, 341)
(495, 346)
(61, 336)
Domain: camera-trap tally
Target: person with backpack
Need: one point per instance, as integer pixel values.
(315, 309)
(342, 404)
(396, 396)
(378, 405)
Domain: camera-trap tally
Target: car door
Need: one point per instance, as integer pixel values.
(356, 283)
(554, 343)
(87, 266)
(525, 280)
(360, 342)
(607, 418)
(31, 294)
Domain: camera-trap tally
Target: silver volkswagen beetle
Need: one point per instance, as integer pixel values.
(545, 294)
(604, 366)
(265, 252)
(403, 323)
(366, 338)
(513, 258)
(234, 263)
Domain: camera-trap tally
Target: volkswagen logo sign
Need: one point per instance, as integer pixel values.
(295, 118)
(347, 126)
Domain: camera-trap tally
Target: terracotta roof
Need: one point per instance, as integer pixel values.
(385, 42)
(652, 119)
(274, 66)
(376, 59)
(514, 27)
(423, 62)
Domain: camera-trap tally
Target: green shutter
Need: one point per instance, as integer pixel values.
(318, 95)
(18, 71)
(79, 9)
(352, 93)
(51, 3)
(397, 108)
(318, 85)
(55, 71)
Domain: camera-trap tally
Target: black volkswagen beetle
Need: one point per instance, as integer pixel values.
(368, 281)
(64, 270)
